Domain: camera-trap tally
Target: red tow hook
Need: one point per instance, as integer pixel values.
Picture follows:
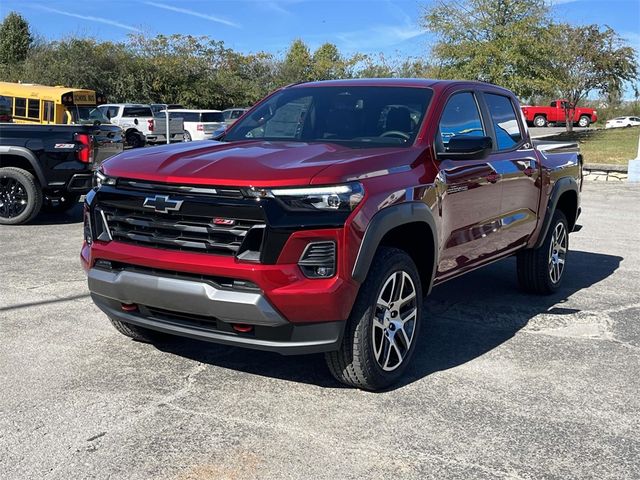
(242, 327)
(129, 307)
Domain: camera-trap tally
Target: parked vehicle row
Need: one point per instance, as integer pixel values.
(140, 125)
(322, 218)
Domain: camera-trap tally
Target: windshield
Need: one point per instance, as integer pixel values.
(354, 115)
(81, 115)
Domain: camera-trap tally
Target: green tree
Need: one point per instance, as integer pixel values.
(505, 42)
(15, 39)
(297, 64)
(590, 58)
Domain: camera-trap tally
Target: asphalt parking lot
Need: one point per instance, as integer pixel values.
(505, 385)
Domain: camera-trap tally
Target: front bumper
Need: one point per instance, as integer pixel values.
(201, 310)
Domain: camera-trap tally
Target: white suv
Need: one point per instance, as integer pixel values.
(198, 124)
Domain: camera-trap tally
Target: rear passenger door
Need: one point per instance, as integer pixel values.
(514, 160)
(469, 190)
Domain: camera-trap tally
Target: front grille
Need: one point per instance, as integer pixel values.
(176, 231)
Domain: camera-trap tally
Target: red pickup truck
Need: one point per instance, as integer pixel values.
(555, 113)
(322, 218)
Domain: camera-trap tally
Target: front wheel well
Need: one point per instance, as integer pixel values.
(415, 238)
(568, 204)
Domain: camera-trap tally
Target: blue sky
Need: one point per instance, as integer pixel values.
(370, 26)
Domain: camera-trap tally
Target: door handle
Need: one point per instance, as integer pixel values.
(493, 177)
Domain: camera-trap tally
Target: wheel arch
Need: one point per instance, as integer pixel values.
(409, 226)
(564, 197)
(21, 157)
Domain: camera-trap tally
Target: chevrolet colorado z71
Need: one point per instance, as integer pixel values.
(50, 166)
(324, 216)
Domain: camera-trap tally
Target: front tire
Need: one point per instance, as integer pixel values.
(381, 332)
(20, 196)
(540, 270)
(139, 334)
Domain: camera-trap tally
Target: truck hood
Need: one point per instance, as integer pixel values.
(253, 163)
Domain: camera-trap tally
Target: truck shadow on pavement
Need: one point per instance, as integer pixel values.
(463, 319)
(73, 215)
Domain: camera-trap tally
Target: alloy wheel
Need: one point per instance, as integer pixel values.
(394, 321)
(13, 197)
(558, 252)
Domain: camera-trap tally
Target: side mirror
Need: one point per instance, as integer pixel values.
(466, 148)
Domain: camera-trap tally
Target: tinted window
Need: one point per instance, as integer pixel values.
(137, 112)
(236, 114)
(6, 106)
(461, 117)
(21, 107)
(357, 116)
(212, 117)
(34, 109)
(504, 121)
(185, 116)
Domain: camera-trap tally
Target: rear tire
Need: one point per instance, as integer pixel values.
(135, 139)
(382, 331)
(540, 121)
(20, 196)
(139, 334)
(541, 270)
(186, 136)
(584, 121)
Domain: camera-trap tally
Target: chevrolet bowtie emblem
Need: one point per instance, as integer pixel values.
(162, 204)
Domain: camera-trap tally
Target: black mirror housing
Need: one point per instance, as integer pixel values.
(467, 148)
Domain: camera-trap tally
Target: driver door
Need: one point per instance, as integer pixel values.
(470, 192)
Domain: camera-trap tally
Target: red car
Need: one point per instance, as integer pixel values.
(323, 216)
(555, 113)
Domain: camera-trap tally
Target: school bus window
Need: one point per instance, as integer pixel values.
(21, 107)
(34, 109)
(48, 111)
(6, 108)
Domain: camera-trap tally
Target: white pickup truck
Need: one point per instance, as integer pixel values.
(139, 124)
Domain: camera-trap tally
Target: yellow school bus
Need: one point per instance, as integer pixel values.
(33, 103)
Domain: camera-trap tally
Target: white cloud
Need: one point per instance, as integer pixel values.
(106, 21)
(193, 13)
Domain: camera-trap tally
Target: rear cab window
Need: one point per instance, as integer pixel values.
(504, 120)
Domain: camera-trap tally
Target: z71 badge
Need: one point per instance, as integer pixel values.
(64, 145)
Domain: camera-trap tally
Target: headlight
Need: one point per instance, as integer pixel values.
(99, 178)
(330, 198)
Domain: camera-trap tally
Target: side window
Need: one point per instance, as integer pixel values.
(48, 111)
(504, 120)
(6, 106)
(21, 107)
(553, 104)
(460, 117)
(34, 109)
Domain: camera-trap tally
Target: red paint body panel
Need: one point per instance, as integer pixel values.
(483, 209)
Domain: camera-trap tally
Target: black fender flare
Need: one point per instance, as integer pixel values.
(383, 222)
(562, 185)
(30, 157)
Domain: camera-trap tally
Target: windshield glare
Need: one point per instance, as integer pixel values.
(87, 115)
(357, 116)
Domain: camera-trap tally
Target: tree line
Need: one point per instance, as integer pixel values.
(512, 43)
